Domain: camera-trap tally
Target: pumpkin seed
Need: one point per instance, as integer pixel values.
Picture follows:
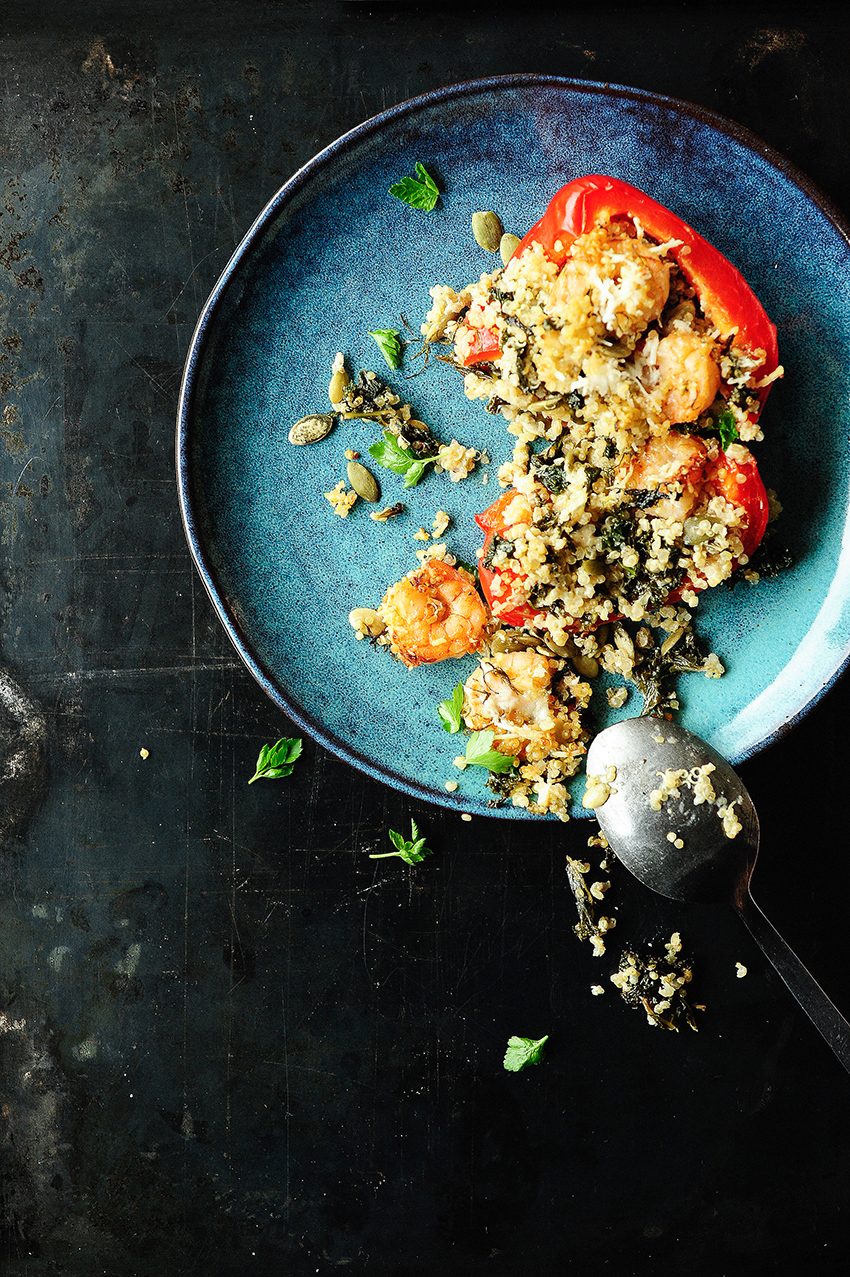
(508, 245)
(586, 666)
(363, 482)
(488, 231)
(339, 383)
(313, 428)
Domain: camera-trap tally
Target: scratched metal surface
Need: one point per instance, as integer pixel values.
(229, 1041)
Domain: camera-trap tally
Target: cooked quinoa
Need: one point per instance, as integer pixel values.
(631, 411)
(611, 380)
(614, 384)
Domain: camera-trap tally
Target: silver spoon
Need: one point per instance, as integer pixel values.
(682, 851)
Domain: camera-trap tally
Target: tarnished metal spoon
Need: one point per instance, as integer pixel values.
(680, 848)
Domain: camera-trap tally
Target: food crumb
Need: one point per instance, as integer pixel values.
(597, 990)
(740, 970)
(466, 816)
(441, 522)
(422, 535)
(341, 500)
(144, 753)
(381, 516)
(451, 786)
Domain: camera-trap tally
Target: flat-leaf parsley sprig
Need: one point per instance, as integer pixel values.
(523, 1051)
(451, 711)
(480, 753)
(392, 455)
(422, 194)
(388, 341)
(411, 850)
(277, 760)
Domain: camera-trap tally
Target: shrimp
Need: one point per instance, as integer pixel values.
(433, 613)
(510, 693)
(673, 463)
(690, 377)
(629, 286)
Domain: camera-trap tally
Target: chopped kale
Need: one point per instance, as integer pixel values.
(551, 475)
(654, 669)
(498, 546)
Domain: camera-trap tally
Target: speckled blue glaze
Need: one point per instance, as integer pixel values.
(333, 255)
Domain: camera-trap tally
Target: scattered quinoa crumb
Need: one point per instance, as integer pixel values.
(451, 786)
(466, 816)
(441, 522)
(341, 500)
(597, 990)
(143, 753)
(740, 970)
(422, 535)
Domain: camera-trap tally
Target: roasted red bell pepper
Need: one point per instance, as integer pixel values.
(496, 581)
(741, 485)
(483, 345)
(739, 482)
(723, 293)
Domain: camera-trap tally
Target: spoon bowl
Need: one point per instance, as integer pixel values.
(677, 845)
(680, 819)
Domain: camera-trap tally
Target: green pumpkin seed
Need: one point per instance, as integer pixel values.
(339, 383)
(313, 428)
(363, 482)
(508, 245)
(488, 231)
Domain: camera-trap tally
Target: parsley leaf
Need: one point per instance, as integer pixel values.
(389, 344)
(276, 760)
(480, 752)
(390, 454)
(451, 711)
(523, 1051)
(422, 194)
(726, 428)
(411, 850)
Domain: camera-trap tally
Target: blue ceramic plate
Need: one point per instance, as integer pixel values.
(333, 256)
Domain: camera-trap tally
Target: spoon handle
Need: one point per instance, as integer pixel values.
(821, 1011)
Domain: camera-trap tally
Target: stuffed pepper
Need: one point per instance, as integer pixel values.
(632, 361)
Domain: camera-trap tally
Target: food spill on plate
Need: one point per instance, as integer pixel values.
(631, 362)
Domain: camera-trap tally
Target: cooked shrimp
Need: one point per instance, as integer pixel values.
(674, 464)
(432, 613)
(510, 693)
(690, 377)
(629, 285)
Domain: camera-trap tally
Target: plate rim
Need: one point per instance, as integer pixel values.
(225, 613)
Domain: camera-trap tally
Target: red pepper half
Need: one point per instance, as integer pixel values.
(723, 293)
(738, 482)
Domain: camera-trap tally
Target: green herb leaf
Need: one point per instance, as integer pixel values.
(480, 752)
(422, 194)
(523, 1051)
(390, 454)
(451, 711)
(726, 428)
(411, 850)
(276, 760)
(389, 344)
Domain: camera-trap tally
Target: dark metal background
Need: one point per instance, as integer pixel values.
(229, 1041)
